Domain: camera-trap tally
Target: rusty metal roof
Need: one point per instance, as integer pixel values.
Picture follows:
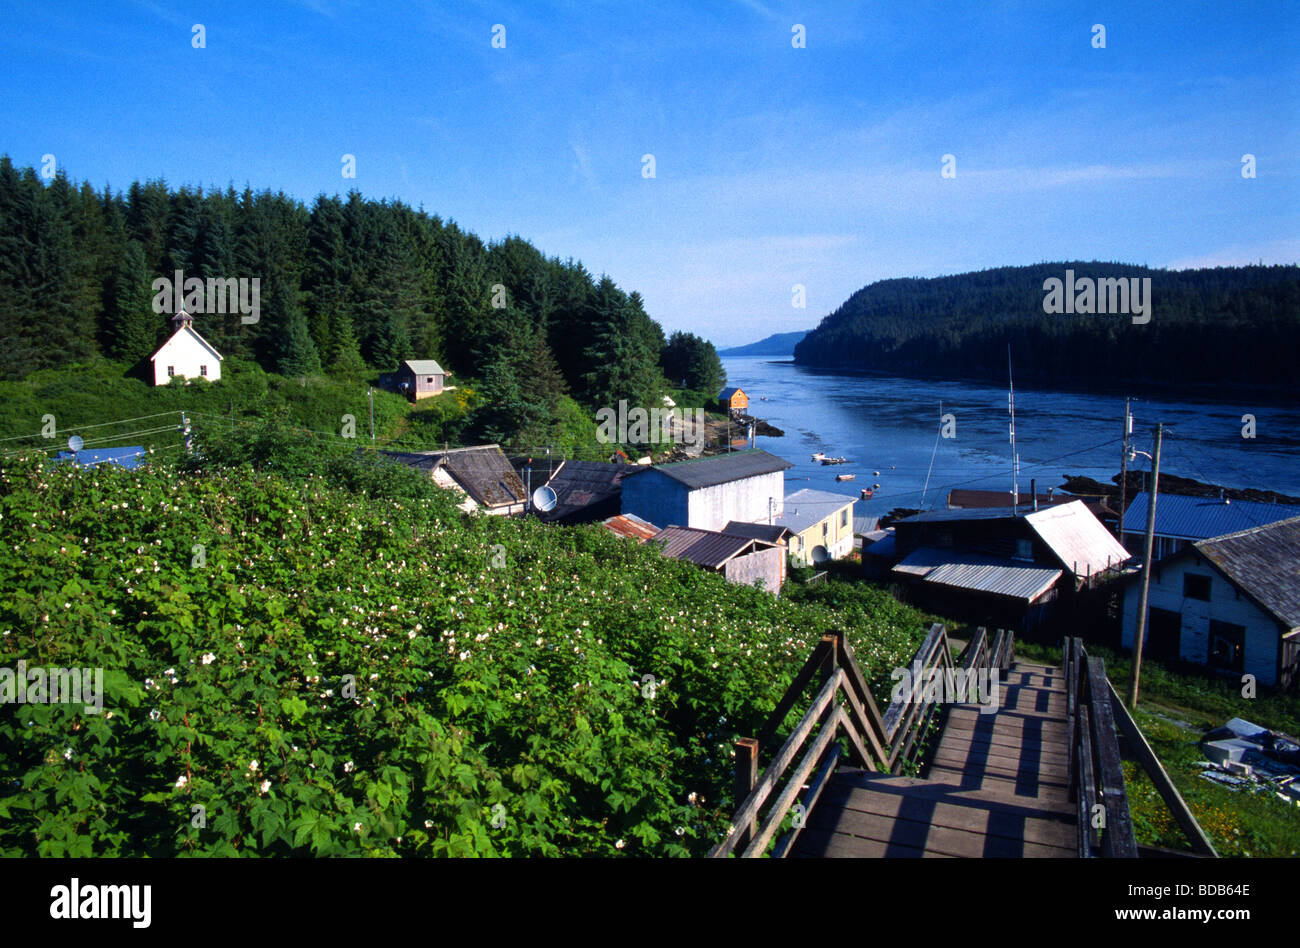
(630, 525)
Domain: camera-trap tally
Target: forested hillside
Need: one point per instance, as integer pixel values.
(349, 287)
(1230, 325)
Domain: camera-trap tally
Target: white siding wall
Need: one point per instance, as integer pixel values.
(711, 508)
(186, 356)
(1263, 636)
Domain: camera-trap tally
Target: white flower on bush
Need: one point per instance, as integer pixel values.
(181, 781)
(266, 785)
(154, 715)
(620, 844)
(67, 753)
(252, 765)
(209, 658)
(349, 767)
(356, 827)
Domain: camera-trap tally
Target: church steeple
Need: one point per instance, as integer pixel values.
(182, 320)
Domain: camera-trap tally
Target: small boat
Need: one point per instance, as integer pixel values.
(835, 460)
(875, 487)
(867, 493)
(845, 477)
(818, 456)
(875, 473)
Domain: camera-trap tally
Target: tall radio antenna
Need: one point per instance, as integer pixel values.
(1015, 458)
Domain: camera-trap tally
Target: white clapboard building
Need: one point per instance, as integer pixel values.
(185, 354)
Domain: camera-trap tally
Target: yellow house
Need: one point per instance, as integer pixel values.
(820, 524)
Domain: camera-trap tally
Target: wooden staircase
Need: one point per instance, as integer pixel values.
(997, 786)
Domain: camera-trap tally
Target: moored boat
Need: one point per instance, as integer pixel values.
(845, 477)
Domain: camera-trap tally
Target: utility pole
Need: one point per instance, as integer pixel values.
(1146, 571)
(1123, 470)
(185, 431)
(371, 394)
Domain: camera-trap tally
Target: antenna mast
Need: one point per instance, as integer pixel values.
(1015, 458)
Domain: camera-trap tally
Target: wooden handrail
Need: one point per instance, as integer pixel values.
(1096, 720)
(843, 707)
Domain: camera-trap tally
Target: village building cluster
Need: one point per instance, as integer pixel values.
(1225, 583)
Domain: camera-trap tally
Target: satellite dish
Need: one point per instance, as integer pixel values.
(75, 443)
(544, 499)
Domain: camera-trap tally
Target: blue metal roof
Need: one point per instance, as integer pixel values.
(1199, 518)
(125, 457)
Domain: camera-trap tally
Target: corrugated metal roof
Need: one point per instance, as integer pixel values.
(632, 526)
(706, 548)
(999, 579)
(720, 468)
(1264, 562)
(864, 525)
(768, 533)
(807, 507)
(578, 484)
(1199, 518)
(976, 513)
(424, 367)
(978, 572)
(1077, 538)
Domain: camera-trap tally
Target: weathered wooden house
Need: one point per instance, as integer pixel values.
(1230, 603)
(1002, 565)
(419, 378)
(185, 354)
(733, 399)
(740, 559)
(585, 491)
(482, 474)
(707, 493)
(820, 524)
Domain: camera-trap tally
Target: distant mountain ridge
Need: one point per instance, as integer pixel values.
(1230, 326)
(781, 343)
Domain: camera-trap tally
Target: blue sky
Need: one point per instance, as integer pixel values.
(773, 165)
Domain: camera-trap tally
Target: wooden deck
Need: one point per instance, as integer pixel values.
(996, 785)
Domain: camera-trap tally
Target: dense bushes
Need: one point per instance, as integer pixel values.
(348, 665)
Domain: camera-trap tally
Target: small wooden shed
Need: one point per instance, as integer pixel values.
(420, 378)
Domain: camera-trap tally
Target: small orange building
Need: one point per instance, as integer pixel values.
(733, 399)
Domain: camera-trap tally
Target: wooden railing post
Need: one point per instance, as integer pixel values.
(746, 779)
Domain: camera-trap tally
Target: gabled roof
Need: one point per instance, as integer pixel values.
(1198, 518)
(1264, 562)
(806, 507)
(125, 457)
(720, 468)
(726, 393)
(423, 367)
(1077, 538)
(483, 472)
(707, 548)
(579, 484)
(183, 330)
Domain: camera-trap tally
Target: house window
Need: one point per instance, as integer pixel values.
(1196, 587)
(429, 379)
(1227, 646)
(203, 371)
(844, 517)
(171, 370)
(1024, 550)
(826, 528)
